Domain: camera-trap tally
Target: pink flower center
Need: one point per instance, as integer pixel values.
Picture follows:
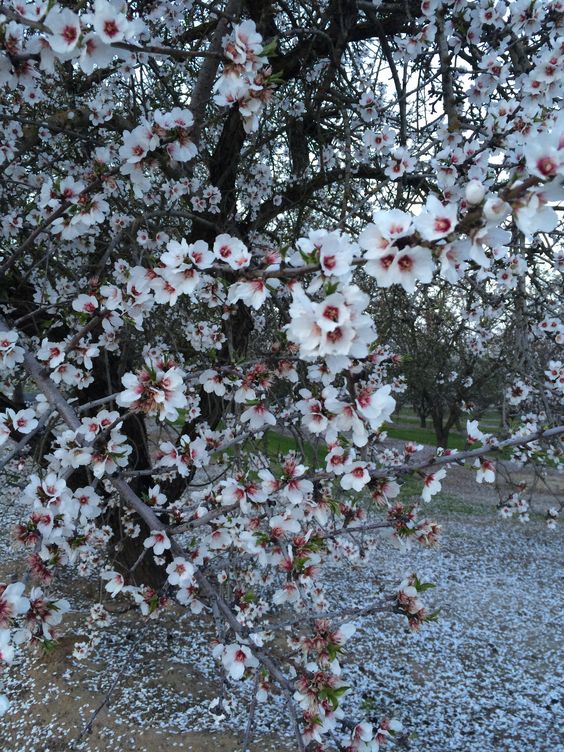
(70, 34)
(110, 28)
(364, 399)
(547, 166)
(442, 224)
(405, 263)
(331, 313)
(335, 335)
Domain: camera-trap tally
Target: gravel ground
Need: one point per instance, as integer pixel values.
(484, 678)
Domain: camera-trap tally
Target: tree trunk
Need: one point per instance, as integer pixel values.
(441, 429)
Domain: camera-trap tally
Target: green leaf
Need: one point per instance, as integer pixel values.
(269, 49)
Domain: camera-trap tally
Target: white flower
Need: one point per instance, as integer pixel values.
(12, 602)
(404, 267)
(85, 304)
(288, 594)
(89, 502)
(137, 143)
(382, 140)
(453, 260)
(154, 391)
(109, 24)
(474, 433)
(336, 460)
(158, 541)
(344, 633)
(367, 106)
(399, 163)
(257, 416)
(115, 582)
(91, 427)
(432, 484)
(219, 539)
(236, 659)
(10, 353)
(252, 292)
(356, 477)
(4, 705)
(232, 250)
(244, 45)
(176, 118)
(65, 29)
(180, 572)
(436, 221)
(81, 650)
(543, 156)
(334, 250)
(94, 54)
(53, 352)
(518, 392)
(534, 216)
(486, 471)
(377, 407)
(23, 421)
(284, 523)
(6, 649)
(70, 453)
(388, 226)
(213, 382)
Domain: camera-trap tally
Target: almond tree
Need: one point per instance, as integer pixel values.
(194, 198)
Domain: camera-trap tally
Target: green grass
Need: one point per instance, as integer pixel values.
(407, 420)
(276, 445)
(425, 436)
(445, 503)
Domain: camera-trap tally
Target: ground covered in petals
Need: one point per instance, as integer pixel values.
(484, 677)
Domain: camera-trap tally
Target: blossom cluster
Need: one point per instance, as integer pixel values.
(245, 79)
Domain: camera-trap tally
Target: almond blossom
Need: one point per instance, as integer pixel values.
(108, 23)
(12, 602)
(432, 484)
(11, 354)
(436, 220)
(64, 26)
(355, 476)
(232, 251)
(154, 391)
(158, 541)
(486, 471)
(236, 659)
(257, 416)
(115, 582)
(179, 571)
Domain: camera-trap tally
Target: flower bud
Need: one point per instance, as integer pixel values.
(475, 192)
(495, 209)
